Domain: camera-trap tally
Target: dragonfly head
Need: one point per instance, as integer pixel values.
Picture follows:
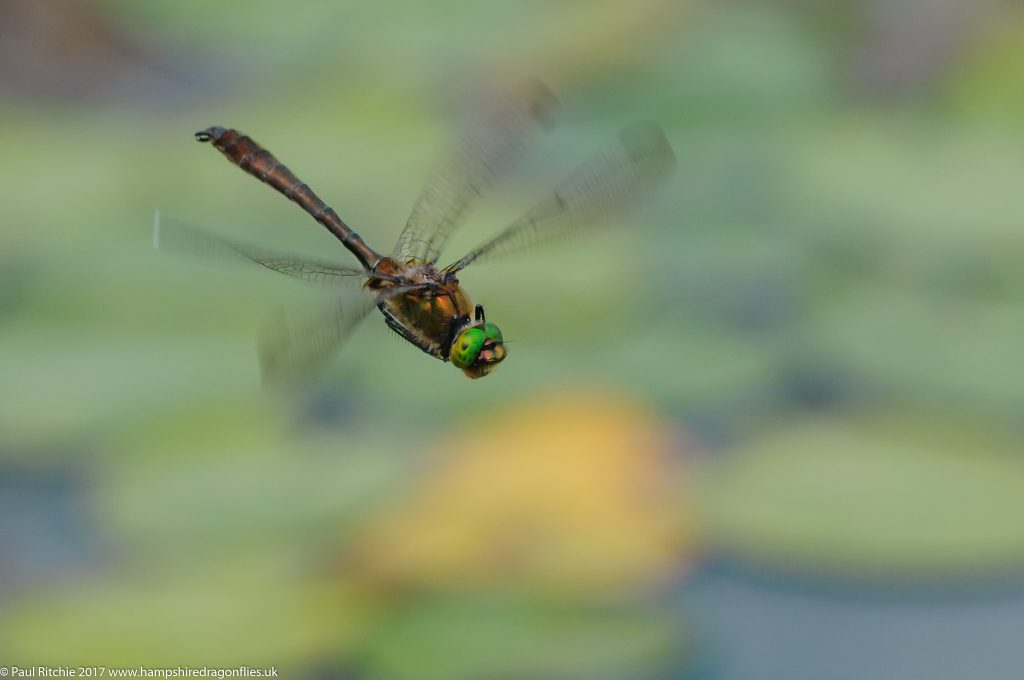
(478, 349)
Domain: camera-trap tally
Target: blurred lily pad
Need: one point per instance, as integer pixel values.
(576, 494)
(180, 617)
(877, 499)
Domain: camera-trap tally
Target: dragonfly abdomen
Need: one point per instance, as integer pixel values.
(247, 154)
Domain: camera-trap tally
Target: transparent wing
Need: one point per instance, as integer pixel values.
(180, 238)
(293, 346)
(502, 127)
(640, 158)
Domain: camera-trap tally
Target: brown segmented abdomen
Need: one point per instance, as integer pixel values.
(261, 164)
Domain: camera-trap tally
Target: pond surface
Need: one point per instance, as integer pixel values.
(757, 627)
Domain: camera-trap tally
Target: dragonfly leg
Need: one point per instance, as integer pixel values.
(453, 329)
(480, 313)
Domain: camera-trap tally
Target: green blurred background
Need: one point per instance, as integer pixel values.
(767, 427)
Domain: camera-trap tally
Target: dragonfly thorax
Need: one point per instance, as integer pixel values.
(436, 314)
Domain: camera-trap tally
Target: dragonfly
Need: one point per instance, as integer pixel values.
(421, 301)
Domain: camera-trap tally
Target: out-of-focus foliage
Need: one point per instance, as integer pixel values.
(803, 359)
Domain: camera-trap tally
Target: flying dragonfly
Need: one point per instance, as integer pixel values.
(421, 301)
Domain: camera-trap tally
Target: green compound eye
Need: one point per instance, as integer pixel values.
(492, 332)
(467, 346)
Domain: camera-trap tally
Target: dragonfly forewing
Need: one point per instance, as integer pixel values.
(640, 158)
(497, 134)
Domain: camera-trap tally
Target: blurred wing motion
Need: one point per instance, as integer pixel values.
(503, 126)
(640, 159)
(179, 238)
(292, 347)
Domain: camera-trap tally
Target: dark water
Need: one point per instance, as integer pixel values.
(46, 525)
(755, 628)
